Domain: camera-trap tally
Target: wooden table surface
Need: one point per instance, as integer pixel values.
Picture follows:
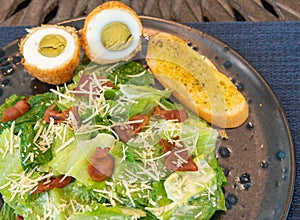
(36, 12)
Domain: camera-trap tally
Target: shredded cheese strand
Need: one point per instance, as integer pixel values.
(66, 144)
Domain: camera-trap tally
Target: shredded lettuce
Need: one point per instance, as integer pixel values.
(141, 187)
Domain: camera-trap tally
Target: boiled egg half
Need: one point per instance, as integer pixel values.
(111, 33)
(51, 53)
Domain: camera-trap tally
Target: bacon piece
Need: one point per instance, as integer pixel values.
(22, 106)
(102, 165)
(126, 132)
(85, 85)
(137, 127)
(14, 112)
(178, 159)
(59, 117)
(179, 115)
(58, 182)
(189, 166)
(168, 146)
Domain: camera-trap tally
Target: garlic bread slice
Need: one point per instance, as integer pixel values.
(195, 81)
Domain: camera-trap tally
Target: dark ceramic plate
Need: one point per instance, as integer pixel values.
(258, 157)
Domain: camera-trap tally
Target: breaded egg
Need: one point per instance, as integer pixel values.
(51, 53)
(111, 33)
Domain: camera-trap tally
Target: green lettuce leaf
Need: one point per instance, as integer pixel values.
(134, 92)
(9, 102)
(31, 155)
(194, 194)
(74, 159)
(38, 103)
(7, 212)
(130, 72)
(133, 100)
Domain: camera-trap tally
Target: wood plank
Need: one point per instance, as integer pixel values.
(15, 19)
(65, 11)
(252, 11)
(151, 8)
(227, 7)
(259, 2)
(185, 13)
(177, 10)
(165, 7)
(214, 11)
(137, 5)
(80, 9)
(195, 6)
(286, 9)
(91, 4)
(7, 9)
(36, 13)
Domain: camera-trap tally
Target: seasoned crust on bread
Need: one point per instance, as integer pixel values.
(195, 81)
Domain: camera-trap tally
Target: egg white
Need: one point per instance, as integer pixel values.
(31, 49)
(99, 21)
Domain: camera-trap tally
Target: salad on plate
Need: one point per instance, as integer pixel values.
(109, 142)
(157, 159)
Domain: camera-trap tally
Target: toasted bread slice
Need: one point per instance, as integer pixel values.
(195, 81)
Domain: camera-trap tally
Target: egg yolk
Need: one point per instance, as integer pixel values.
(52, 45)
(116, 36)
